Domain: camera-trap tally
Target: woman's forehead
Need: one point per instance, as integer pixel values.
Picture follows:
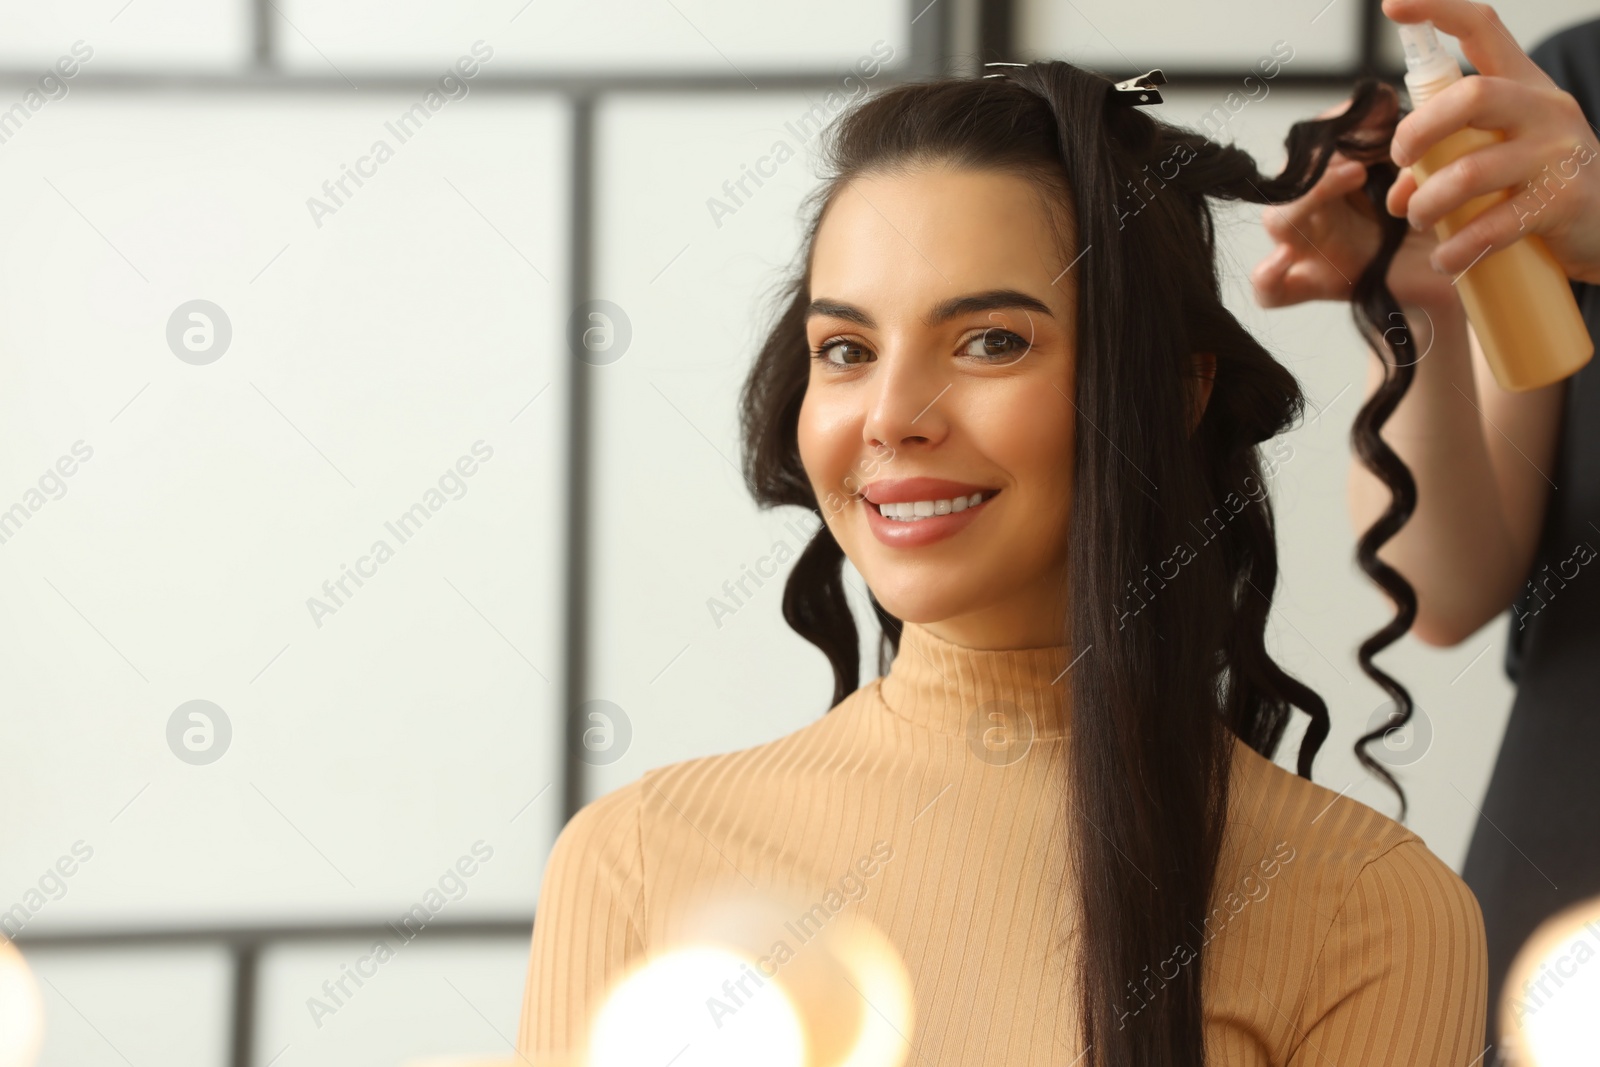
(924, 234)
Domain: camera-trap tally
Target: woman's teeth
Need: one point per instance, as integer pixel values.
(911, 511)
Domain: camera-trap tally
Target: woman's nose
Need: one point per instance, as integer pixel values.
(905, 401)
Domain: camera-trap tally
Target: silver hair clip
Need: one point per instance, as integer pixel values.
(1138, 90)
(1001, 74)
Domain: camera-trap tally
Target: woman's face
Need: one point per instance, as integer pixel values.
(941, 327)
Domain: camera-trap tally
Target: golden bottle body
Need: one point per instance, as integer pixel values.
(1517, 298)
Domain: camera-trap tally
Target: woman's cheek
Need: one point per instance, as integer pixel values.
(822, 442)
(1036, 451)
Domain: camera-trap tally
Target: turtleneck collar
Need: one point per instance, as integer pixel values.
(953, 689)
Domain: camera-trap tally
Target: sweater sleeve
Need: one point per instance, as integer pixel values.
(1401, 977)
(588, 927)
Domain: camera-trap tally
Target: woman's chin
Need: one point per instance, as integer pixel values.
(919, 604)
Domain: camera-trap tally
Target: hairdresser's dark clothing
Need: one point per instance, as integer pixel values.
(1537, 847)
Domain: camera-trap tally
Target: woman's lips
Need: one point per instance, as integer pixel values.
(898, 533)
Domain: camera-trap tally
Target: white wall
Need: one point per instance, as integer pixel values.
(372, 746)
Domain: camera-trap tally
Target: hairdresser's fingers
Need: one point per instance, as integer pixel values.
(1270, 279)
(1494, 229)
(1282, 280)
(1314, 235)
(1343, 176)
(1484, 39)
(1292, 221)
(1398, 199)
(1315, 257)
(1562, 206)
(1510, 165)
(1266, 278)
(1481, 101)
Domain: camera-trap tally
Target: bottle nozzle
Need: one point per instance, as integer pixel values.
(1428, 65)
(1421, 43)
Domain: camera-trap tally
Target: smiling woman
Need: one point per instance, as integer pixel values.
(981, 379)
(1050, 395)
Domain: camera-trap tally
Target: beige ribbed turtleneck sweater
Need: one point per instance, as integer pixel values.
(1339, 939)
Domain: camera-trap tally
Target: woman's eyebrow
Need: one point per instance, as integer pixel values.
(838, 309)
(990, 300)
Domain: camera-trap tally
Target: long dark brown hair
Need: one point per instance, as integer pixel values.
(1156, 692)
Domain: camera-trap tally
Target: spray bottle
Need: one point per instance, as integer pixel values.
(1518, 298)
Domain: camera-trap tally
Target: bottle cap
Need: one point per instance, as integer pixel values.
(1429, 67)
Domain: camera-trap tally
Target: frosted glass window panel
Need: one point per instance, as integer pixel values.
(1528, 25)
(109, 1008)
(1325, 605)
(623, 36)
(686, 628)
(1123, 39)
(415, 1000)
(143, 35)
(387, 373)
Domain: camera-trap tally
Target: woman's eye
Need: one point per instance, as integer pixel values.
(997, 344)
(852, 352)
(994, 344)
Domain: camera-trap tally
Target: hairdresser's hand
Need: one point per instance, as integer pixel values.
(1326, 237)
(1544, 128)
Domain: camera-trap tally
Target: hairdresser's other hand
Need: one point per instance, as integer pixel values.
(1549, 146)
(1325, 238)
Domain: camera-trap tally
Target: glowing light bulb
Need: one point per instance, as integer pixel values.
(881, 976)
(21, 1010)
(762, 979)
(1547, 1012)
(674, 1009)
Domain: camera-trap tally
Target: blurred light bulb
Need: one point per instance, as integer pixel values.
(885, 984)
(660, 1014)
(21, 1010)
(1548, 1012)
(762, 979)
